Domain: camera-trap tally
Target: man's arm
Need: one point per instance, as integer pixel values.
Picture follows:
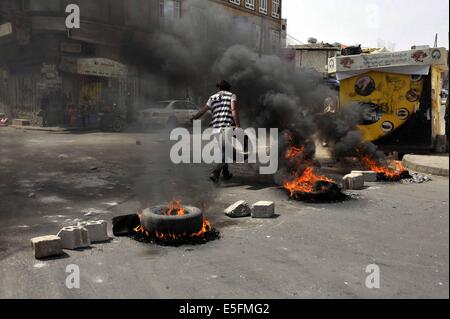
(200, 113)
(235, 112)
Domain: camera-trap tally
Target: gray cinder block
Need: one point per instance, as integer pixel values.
(353, 182)
(263, 209)
(238, 209)
(74, 237)
(369, 176)
(46, 246)
(98, 230)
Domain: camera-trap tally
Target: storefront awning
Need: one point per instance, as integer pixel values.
(411, 70)
(404, 62)
(93, 66)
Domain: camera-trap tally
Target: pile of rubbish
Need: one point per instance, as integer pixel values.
(416, 178)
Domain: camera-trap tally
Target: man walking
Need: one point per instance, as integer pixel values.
(223, 107)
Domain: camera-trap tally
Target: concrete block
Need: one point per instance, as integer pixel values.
(353, 182)
(238, 209)
(98, 230)
(74, 237)
(263, 209)
(369, 176)
(46, 246)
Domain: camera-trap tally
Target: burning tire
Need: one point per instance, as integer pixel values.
(155, 220)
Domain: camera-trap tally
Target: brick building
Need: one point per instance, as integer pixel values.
(264, 17)
(41, 61)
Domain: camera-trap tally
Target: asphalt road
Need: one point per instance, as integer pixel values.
(308, 251)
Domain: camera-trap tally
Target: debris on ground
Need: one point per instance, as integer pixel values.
(46, 246)
(211, 235)
(238, 210)
(353, 196)
(32, 195)
(94, 211)
(416, 179)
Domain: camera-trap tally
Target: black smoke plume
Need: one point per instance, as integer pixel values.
(207, 44)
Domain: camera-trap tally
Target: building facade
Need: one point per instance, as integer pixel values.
(46, 68)
(313, 56)
(265, 20)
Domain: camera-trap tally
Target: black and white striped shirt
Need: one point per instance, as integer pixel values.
(220, 106)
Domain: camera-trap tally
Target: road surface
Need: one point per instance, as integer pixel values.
(308, 251)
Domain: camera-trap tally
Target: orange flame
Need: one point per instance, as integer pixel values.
(307, 180)
(392, 171)
(175, 208)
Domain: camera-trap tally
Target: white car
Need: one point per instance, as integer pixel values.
(170, 114)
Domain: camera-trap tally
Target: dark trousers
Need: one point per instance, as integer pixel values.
(221, 168)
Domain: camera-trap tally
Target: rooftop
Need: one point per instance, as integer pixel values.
(315, 46)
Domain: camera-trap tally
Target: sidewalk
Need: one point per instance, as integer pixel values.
(55, 129)
(428, 164)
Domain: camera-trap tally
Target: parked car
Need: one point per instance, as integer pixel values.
(3, 119)
(169, 114)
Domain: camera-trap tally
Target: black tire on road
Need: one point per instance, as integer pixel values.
(154, 220)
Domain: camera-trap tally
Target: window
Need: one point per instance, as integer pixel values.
(256, 37)
(263, 6)
(238, 2)
(276, 8)
(275, 40)
(250, 4)
(179, 105)
(169, 9)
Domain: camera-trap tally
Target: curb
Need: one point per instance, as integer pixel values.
(53, 130)
(422, 168)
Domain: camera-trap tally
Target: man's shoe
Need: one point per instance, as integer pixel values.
(214, 178)
(227, 176)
